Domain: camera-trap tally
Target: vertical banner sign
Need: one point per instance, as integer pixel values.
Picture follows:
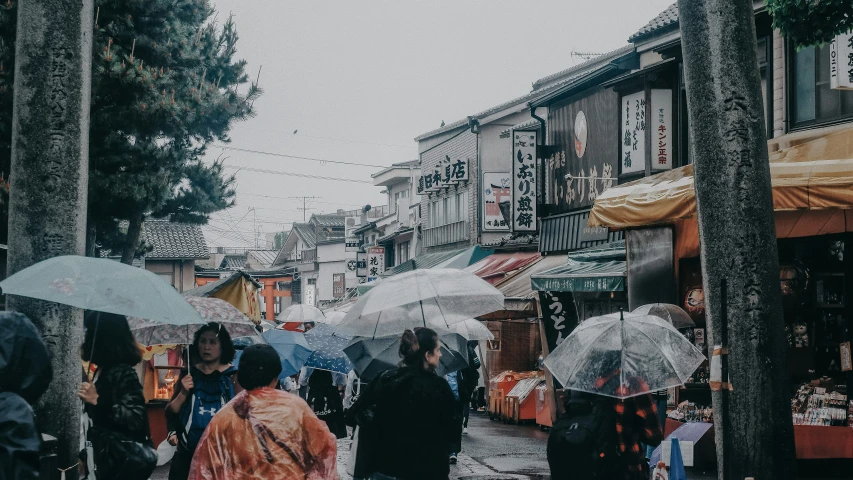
(310, 295)
(841, 62)
(634, 133)
(524, 181)
(361, 264)
(420, 184)
(375, 262)
(559, 316)
(661, 129)
(339, 285)
(497, 188)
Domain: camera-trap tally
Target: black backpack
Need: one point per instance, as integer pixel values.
(584, 443)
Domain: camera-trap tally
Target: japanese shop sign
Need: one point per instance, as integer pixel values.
(310, 296)
(352, 242)
(841, 62)
(633, 133)
(338, 285)
(361, 264)
(420, 184)
(375, 262)
(524, 181)
(662, 129)
(559, 316)
(435, 181)
(497, 188)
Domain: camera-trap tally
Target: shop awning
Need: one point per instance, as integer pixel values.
(459, 258)
(468, 256)
(600, 269)
(517, 287)
(816, 175)
(498, 266)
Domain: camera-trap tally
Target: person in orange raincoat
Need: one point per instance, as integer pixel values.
(263, 432)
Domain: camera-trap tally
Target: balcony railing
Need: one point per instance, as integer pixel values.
(450, 233)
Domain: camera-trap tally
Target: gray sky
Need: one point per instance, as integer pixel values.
(360, 79)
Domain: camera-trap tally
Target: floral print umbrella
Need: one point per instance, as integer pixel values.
(209, 309)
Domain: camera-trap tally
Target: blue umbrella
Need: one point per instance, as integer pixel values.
(291, 347)
(328, 350)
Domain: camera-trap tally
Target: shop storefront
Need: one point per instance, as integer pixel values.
(812, 196)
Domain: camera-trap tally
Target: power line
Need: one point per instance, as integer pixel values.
(335, 139)
(305, 206)
(291, 174)
(288, 198)
(296, 157)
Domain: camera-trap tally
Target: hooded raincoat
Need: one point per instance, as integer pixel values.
(25, 373)
(265, 433)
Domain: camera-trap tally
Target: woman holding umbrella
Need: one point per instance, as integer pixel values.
(413, 413)
(114, 400)
(200, 394)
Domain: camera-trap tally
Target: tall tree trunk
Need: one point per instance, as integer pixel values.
(131, 244)
(738, 236)
(91, 238)
(49, 175)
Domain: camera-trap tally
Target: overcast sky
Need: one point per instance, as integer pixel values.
(359, 79)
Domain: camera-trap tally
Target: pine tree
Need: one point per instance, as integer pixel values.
(165, 84)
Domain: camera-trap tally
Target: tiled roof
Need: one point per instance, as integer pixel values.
(233, 262)
(665, 20)
(174, 241)
(572, 73)
(305, 232)
(328, 221)
(541, 87)
(264, 257)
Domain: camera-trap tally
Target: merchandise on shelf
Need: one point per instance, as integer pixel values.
(690, 412)
(821, 406)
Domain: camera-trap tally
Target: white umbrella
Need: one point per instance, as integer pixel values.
(472, 329)
(334, 318)
(434, 298)
(624, 356)
(667, 311)
(300, 313)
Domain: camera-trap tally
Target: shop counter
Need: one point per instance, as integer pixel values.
(816, 442)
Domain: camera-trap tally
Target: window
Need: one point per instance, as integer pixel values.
(446, 211)
(402, 252)
(813, 102)
(404, 194)
(396, 201)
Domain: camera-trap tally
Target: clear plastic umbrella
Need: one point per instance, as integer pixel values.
(334, 318)
(210, 309)
(472, 329)
(434, 298)
(102, 285)
(667, 311)
(372, 356)
(300, 313)
(623, 355)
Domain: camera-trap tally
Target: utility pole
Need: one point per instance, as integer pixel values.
(754, 431)
(304, 206)
(49, 181)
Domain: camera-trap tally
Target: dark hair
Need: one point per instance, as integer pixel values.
(415, 345)
(111, 338)
(320, 379)
(226, 345)
(259, 366)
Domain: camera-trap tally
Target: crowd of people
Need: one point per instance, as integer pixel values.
(229, 423)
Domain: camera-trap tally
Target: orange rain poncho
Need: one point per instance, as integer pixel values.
(263, 434)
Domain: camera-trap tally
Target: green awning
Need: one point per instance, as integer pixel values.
(597, 269)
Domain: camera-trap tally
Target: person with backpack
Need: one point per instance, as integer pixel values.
(601, 437)
(25, 374)
(200, 394)
(325, 400)
(407, 415)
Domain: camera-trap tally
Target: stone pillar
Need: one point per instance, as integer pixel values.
(49, 178)
(738, 236)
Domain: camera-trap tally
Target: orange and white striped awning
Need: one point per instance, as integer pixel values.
(816, 175)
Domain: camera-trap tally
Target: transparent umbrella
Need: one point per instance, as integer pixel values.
(334, 318)
(623, 355)
(434, 298)
(300, 313)
(372, 356)
(210, 309)
(102, 285)
(472, 329)
(667, 311)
